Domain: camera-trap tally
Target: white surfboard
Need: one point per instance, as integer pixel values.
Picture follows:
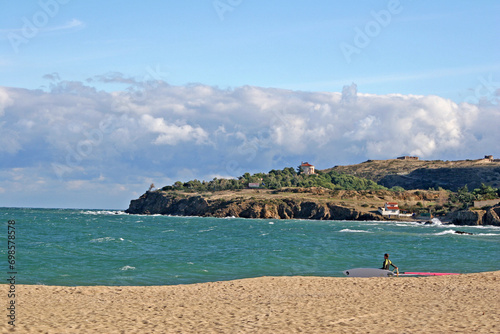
(368, 272)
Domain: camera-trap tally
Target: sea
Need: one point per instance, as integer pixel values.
(75, 247)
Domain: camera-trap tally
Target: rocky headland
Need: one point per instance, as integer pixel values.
(287, 195)
(300, 203)
(159, 202)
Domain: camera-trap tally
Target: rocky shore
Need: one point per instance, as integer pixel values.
(490, 216)
(159, 202)
(170, 203)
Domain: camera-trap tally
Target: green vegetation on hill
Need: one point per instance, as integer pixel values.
(467, 198)
(277, 179)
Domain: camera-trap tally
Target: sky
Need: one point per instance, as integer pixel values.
(100, 99)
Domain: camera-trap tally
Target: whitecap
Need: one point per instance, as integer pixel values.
(354, 231)
(127, 268)
(445, 232)
(402, 225)
(436, 221)
(492, 227)
(102, 239)
(271, 223)
(103, 212)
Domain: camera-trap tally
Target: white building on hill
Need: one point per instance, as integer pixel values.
(307, 168)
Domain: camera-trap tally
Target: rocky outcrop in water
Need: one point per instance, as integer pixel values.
(164, 203)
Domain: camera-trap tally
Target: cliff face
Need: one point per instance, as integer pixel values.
(158, 202)
(490, 216)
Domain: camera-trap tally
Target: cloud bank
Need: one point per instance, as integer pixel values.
(76, 139)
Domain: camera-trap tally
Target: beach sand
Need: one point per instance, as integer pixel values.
(465, 304)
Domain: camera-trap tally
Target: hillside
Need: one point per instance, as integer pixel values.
(425, 174)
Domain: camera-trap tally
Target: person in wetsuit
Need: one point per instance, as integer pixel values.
(387, 263)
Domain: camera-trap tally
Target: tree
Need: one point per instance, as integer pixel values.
(485, 192)
(464, 196)
(290, 171)
(277, 179)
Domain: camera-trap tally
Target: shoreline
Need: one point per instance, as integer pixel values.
(300, 203)
(459, 303)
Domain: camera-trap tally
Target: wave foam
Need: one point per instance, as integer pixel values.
(127, 268)
(445, 232)
(103, 212)
(354, 231)
(106, 239)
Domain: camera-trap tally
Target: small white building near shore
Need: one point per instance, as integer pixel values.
(389, 209)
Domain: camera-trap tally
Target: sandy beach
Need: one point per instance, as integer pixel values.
(466, 304)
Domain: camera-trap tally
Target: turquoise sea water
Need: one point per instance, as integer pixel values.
(90, 247)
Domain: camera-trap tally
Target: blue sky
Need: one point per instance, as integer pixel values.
(234, 85)
(425, 48)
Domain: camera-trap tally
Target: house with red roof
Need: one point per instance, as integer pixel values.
(389, 209)
(307, 168)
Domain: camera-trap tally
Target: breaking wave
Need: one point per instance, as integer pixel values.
(347, 230)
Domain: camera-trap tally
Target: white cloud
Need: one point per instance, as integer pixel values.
(75, 133)
(172, 134)
(5, 100)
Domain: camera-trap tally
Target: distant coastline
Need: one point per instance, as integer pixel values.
(309, 203)
(341, 193)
